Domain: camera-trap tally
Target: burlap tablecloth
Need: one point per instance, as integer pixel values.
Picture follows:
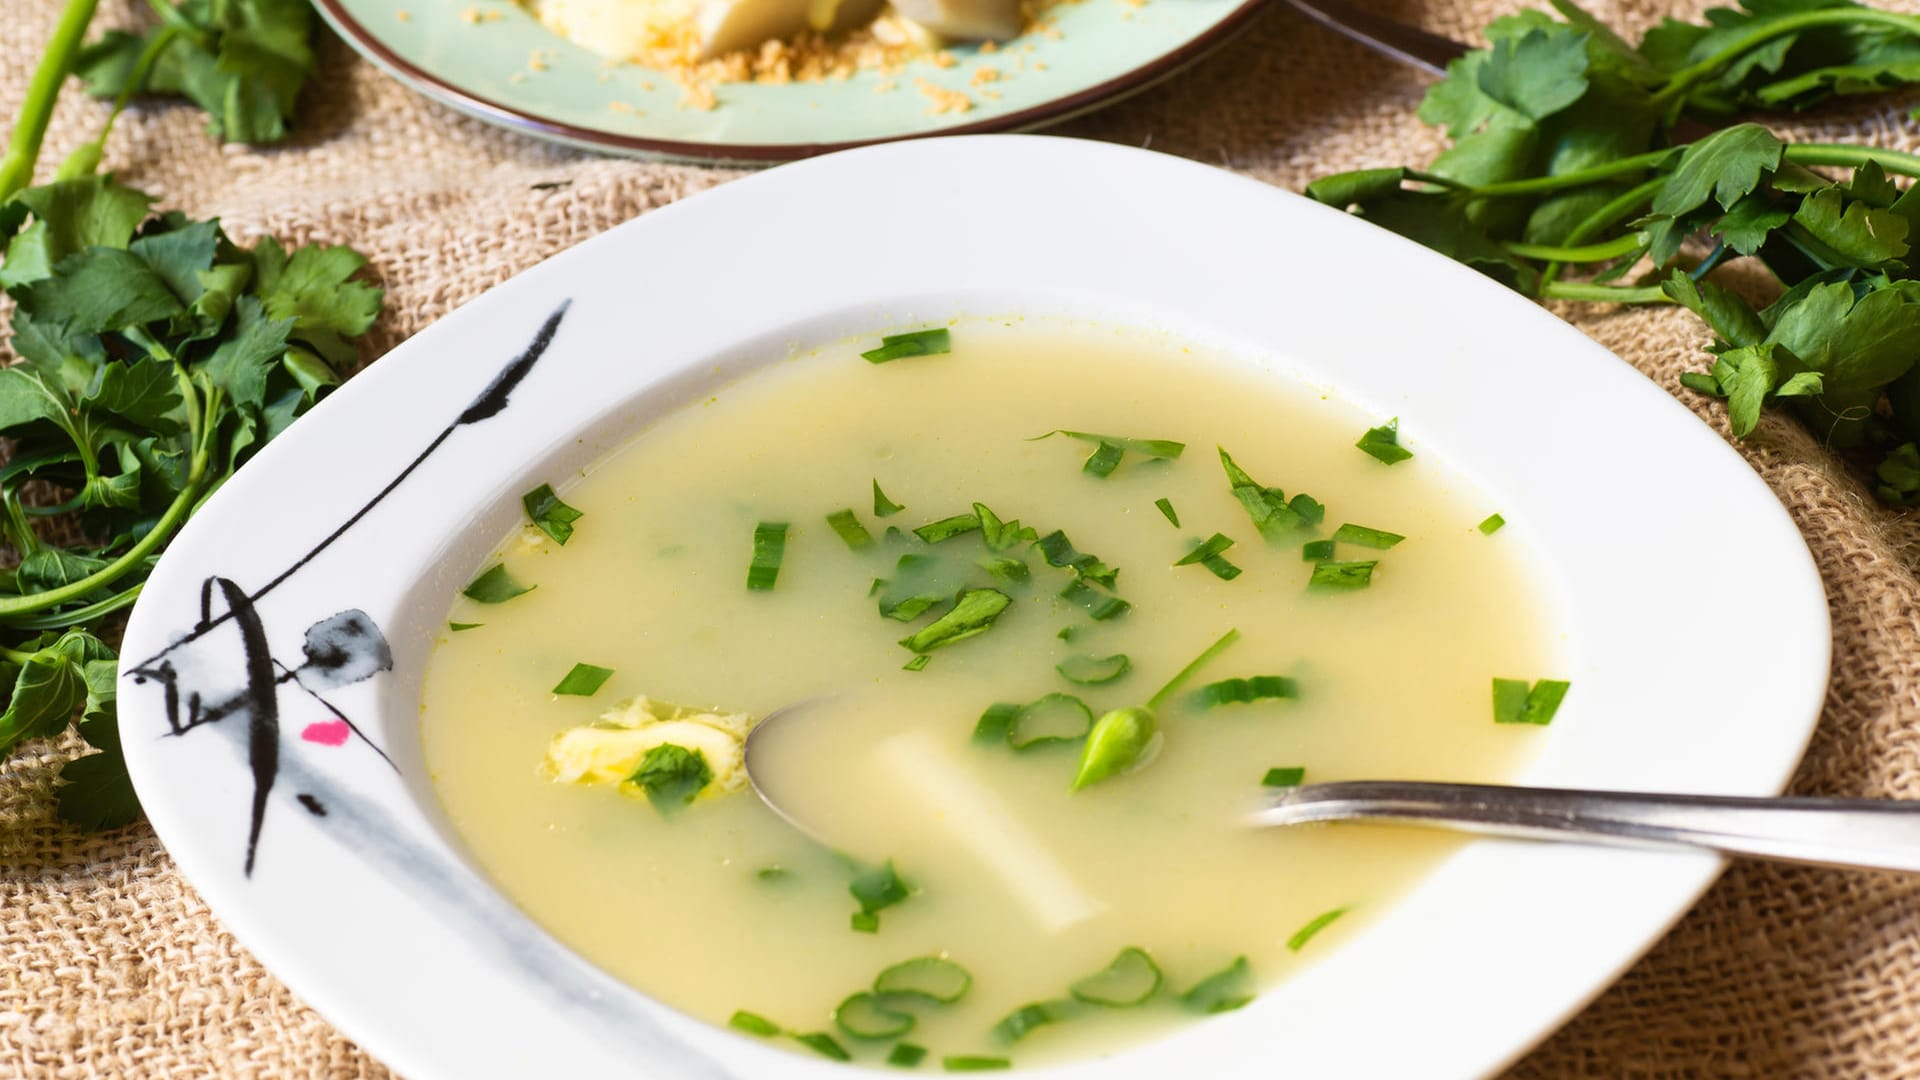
(111, 965)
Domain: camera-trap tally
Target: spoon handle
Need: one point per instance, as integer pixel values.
(1408, 44)
(1870, 834)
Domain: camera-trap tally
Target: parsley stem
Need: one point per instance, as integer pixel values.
(1840, 154)
(15, 656)
(60, 620)
(23, 148)
(85, 158)
(1612, 249)
(1541, 185)
(1687, 78)
(1604, 294)
(1607, 215)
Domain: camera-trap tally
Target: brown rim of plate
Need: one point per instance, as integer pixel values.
(1058, 109)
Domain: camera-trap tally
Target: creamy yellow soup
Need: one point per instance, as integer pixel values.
(719, 906)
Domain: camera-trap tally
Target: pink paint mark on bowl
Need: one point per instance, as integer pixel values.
(327, 732)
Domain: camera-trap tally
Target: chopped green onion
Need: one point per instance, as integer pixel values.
(1059, 551)
(823, 1044)
(1319, 922)
(935, 978)
(1491, 525)
(1161, 449)
(1001, 535)
(1093, 670)
(585, 680)
(1272, 515)
(1206, 549)
(906, 1055)
(1187, 672)
(947, 528)
(456, 627)
(974, 1063)
(753, 1024)
(910, 608)
(973, 613)
(848, 528)
(1129, 980)
(995, 723)
(1099, 606)
(552, 516)
(496, 586)
(1167, 511)
(1515, 703)
(671, 776)
(877, 889)
(1334, 574)
(864, 922)
(1383, 443)
(1055, 718)
(1015, 1025)
(773, 873)
(1245, 691)
(883, 506)
(1004, 568)
(1104, 459)
(865, 1016)
(1365, 537)
(1068, 633)
(1221, 568)
(918, 663)
(1223, 991)
(1123, 740)
(1316, 550)
(1288, 776)
(769, 547)
(917, 343)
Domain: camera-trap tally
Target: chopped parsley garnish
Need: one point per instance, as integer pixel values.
(1491, 525)
(773, 873)
(496, 586)
(864, 922)
(753, 1024)
(671, 776)
(1284, 776)
(769, 548)
(1245, 691)
(1110, 449)
(917, 343)
(996, 723)
(1383, 443)
(1223, 991)
(918, 663)
(1093, 670)
(1121, 741)
(974, 1063)
(823, 1044)
(1334, 574)
(973, 613)
(1318, 923)
(1059, 551)
(585, 680)
(1365, 537)
(1180, 678)
(1099, 606)
(1001, 535)
(876, 888)
(848, 528)
(883, 506)
(456, 627)
(1167, 511)
(1273, 514)
(1207, 554)
(1015, 1025)
(947, 528)
(1515, 703)
(552, 516)
(906, 1055)
(1129, 980)
(1004, 569)
(934, 978)
(866, 1016)
(1055, 718)
(1316, 550)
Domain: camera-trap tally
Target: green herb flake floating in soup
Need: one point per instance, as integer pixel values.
(1036, 876)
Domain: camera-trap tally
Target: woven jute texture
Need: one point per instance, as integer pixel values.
(110, 965)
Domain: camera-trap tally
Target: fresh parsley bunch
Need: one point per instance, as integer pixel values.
(155, 354)
(1574, 150)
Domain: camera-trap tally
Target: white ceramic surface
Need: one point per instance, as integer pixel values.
(1683, 681)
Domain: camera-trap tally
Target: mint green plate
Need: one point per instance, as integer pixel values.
(1105, 50)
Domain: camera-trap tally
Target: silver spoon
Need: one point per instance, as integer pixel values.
(1866, 834)
(1408, 44)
